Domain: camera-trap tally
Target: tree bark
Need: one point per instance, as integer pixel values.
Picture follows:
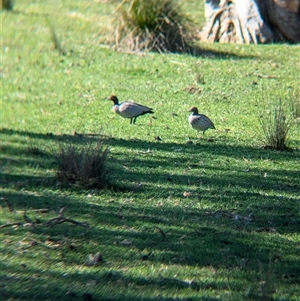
(251, 21)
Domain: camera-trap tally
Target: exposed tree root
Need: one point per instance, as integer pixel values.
(251, 21)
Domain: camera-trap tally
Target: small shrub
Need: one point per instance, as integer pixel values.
(154, 25)
(84, 165)
(276, 126)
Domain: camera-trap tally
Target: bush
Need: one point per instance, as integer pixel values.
(84, 165)
(277, 124)
(154, 25)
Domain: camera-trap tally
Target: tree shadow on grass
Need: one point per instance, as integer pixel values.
(132, 235)
(225, 237)
(200, 240)
(216, 148)
(196, 238)
(148, 164)
(157, 175)
(198, 51)
(103, 285)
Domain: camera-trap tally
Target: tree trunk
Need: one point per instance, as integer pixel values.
(251, 21)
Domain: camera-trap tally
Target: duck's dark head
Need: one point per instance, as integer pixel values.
(194, 110)
(114, 98)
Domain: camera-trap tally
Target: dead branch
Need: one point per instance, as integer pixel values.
(94, 259)
(51, 222)
(60, 220)
(8, 205)
(61, 211)
(27, 219)
(10, 224)
(163, 234)
(42, 210)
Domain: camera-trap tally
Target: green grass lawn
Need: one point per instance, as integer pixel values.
(191, 218)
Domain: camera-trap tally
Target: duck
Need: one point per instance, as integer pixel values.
(129, 109)
(199, 122)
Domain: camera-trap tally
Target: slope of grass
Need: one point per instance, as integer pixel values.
(212, 219)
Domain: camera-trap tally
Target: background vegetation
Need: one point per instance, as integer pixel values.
(154, 25)
(192, 219)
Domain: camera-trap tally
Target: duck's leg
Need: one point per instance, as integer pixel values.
(134, 119)
(131, 120)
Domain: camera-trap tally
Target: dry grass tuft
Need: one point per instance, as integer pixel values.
(151, 25)
(277, 124)
(295, 106)
(84, 165)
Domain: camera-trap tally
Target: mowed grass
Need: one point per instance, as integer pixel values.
(215, 219)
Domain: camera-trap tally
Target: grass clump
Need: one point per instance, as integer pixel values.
(152, 25)
(277, 124)
(295, 106)
(84, 165)
(57, 44)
